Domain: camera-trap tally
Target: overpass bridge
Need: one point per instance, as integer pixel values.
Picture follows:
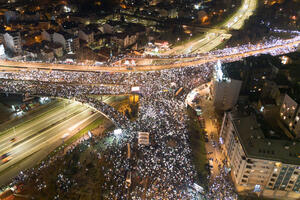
(77, 93)
(282, 47)
(161, 115)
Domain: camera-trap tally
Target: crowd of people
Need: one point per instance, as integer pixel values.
(166, 163)
(161, 170)
(273, 45)
(221, 187)
(164, 169)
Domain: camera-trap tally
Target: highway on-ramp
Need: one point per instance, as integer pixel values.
(202, 44)
(215, 37)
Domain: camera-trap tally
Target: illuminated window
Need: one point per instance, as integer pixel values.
(257, 188)
(278, 164)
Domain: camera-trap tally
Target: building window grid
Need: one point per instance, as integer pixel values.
(297, 185)
(280, 177)
(231, 146)
(287, 178)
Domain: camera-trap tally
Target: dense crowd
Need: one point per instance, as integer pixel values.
(167, 168)
(71, 92)
(221, 187)
(161, 170)
(272, 45)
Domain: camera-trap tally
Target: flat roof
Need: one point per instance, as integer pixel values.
(256, 145)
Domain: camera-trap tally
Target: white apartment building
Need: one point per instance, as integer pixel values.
(290, 115)
(268, 167)
(12, 41)
(69, 42)
(225, 90)
(72, 44)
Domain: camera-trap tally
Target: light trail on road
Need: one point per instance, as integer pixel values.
(215, 37)
(36, 138)
(288, 45)
(161, 113)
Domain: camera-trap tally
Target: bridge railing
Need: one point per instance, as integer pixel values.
(80, 94)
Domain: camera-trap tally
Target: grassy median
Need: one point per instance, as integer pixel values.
(80, 134)
(197, 143)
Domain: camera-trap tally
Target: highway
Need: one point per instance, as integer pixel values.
(37, 137)
(204, 44)
(213, 38)
(14, 66)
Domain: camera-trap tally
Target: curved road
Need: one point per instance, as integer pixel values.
(37, 137)
(204, 44)
(16, 66)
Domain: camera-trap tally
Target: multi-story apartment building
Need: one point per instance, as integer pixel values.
(12, 41)
(269, 167)
(69, 42)
(225, 90)
(124, 40)
(86, 35)
(1, 38)
(290, 115)
(72, 43)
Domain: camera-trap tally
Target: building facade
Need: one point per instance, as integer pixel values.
(268, 167)
(72, 44)
(12, 41)
(225, 90)
(290, 115)
(226, 93)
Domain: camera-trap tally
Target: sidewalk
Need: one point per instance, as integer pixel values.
(208, 114)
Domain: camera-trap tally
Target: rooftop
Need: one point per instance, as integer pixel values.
(256, 145)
